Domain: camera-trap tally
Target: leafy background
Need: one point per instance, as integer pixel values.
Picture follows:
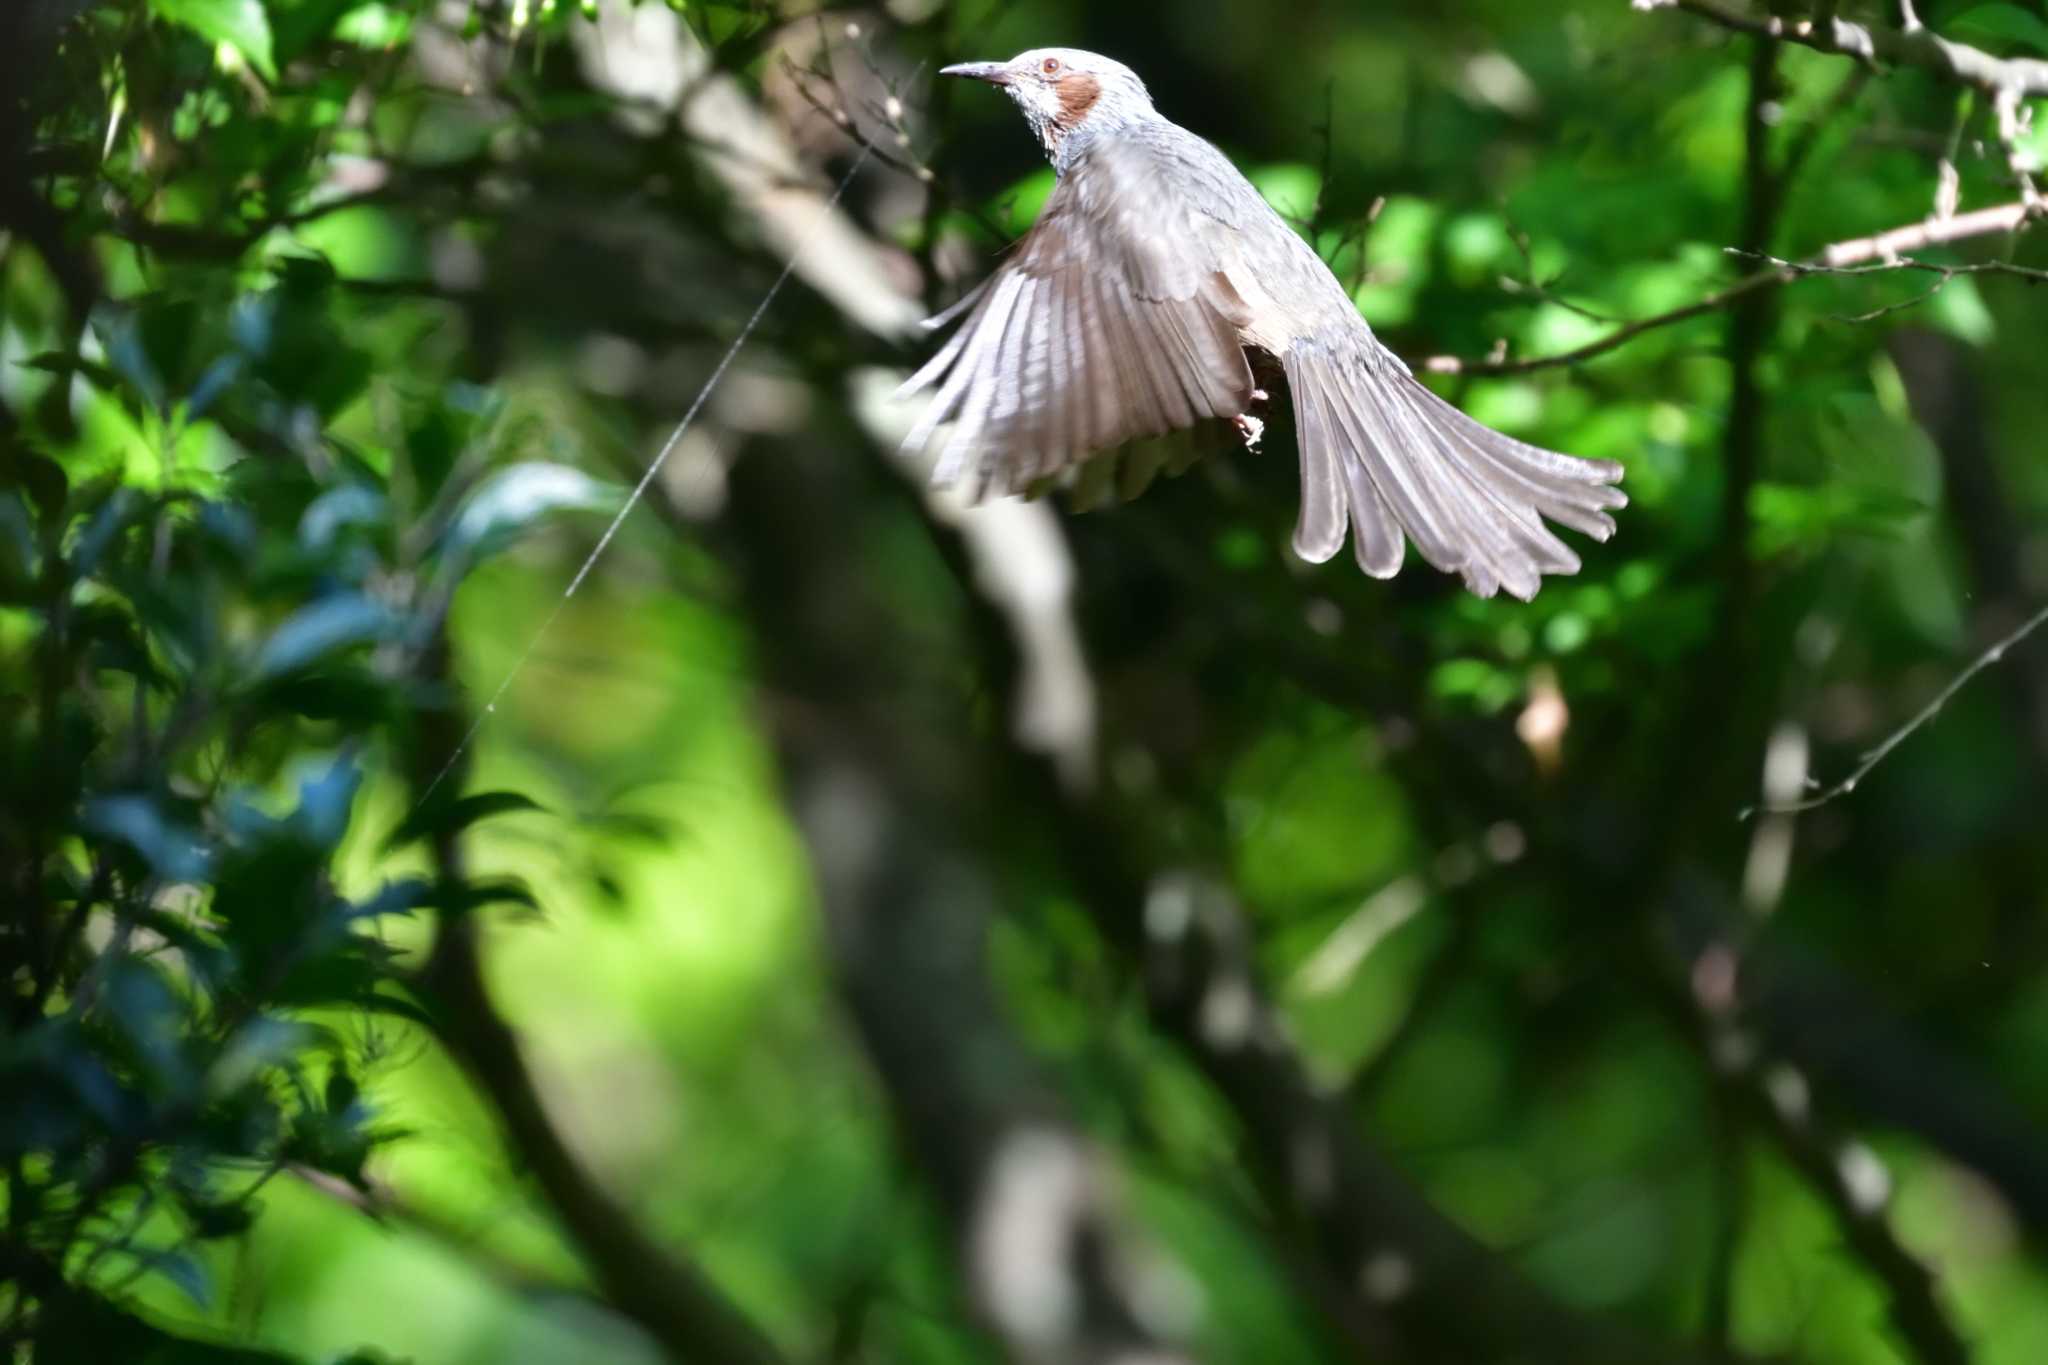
(1331, 970)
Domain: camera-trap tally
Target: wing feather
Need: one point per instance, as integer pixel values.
(1108, 323)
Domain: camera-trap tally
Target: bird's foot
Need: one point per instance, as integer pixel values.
(1249, 427)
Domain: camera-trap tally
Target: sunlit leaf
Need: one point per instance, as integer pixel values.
(1291, 188)
(1958, 307)
(242, 24)
(1019, 206)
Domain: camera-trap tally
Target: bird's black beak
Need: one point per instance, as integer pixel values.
(995, 73)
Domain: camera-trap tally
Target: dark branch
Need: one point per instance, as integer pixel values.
(890, 822)
(671, 1299)
(1775, 1099)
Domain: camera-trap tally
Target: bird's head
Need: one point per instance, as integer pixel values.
(1062, 89)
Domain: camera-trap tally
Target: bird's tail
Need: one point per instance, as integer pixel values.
(1384, 456)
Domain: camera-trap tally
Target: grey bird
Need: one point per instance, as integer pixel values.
(1129, 309)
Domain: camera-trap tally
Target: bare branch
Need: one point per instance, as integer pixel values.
(1879, 252)
(2008, 82)
(1889, 246)
(710, 106)
(2014, 120)
(1910, 45)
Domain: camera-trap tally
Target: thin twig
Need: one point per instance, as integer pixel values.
(2007, 82)
(1621, 336)
(1880, 252)
(2029, 274)
(1900, 306)
(1920, 718)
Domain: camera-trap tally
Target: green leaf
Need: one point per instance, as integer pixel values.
(243, 25)
(1291, 188)
(67, 364)
(211, 1221)
(182, 1270)
(443, 817)
(43, 480)
(1959, 309)
(2001, 23)
(465, 897)
(1019, 206)
(342, 1091)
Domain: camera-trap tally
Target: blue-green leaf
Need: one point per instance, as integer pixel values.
(327, 625)
(515, 499)
(174, 852)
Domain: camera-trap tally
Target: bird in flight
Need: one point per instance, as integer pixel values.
(1128, 312)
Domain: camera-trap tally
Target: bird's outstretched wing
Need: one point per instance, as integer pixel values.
(1112, 320)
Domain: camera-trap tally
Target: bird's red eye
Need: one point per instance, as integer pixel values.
(1051, 67)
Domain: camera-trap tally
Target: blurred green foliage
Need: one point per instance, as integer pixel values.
(331, 333)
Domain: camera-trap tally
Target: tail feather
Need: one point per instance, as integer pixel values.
(1513, 511)
(1386, 456)
(1568, 490)
(1506, 543)
(1319, 531)
(1455, 532)
(1376, 540)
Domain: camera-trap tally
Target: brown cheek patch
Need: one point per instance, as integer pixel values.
(1077, 96)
